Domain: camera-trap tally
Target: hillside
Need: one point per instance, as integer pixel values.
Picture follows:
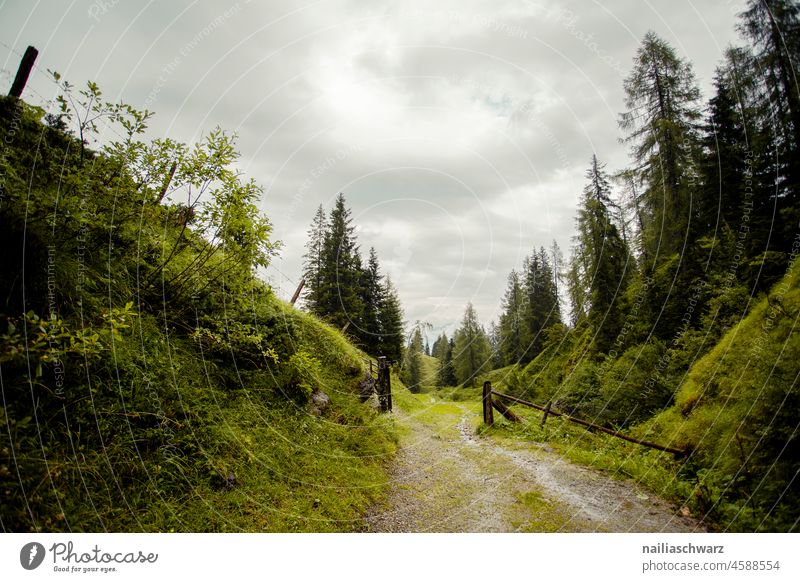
(150, 381)
(737, 412)
(734, 410)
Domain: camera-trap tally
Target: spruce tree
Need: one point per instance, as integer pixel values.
(772, 28)
(447, 372)
(372, 299)
(339, 298)
(496, 358)
(513, 331)
(313, 261)
(412, 362)
(600, 259)
(472, 351)
(541, 306)
(439, 349)
(391, 323)
(661, 95)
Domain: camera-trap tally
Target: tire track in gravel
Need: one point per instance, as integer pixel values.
(446, 479)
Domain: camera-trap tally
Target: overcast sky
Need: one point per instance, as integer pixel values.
(458, 130)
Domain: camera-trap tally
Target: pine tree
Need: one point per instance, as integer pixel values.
(513, 332)
(391, 324)
(372, 299)
(496, 357)
(600, 259)
(313, 263)
(339, 299)
(447, 372)
(772, 28)
(412, 362)
(541, 306)
(472, 351)
(439, 349)
(557, 258)
(661, 97)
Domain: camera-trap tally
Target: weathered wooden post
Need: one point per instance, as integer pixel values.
(297, 294)
(546, 413)
(23, 72)
(505, 410)
(167, 181)
(488, 412)
(384, 385)
(389, 385)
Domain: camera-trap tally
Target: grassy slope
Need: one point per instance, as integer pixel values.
(152, 427)
(292, 471)
(736, 410)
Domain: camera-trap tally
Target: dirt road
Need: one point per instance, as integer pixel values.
(447, 479)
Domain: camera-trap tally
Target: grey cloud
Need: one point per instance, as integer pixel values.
(467, 125)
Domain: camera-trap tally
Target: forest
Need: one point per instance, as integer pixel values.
(680, 288)
(153, 381)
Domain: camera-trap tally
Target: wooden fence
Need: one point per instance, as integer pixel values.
(490, 404)
(380, 382)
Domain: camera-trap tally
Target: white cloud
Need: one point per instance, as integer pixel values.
(459, 130)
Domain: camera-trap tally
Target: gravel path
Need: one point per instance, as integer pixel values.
(447, 479)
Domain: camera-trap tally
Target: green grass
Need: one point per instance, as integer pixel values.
(499, 377)
(430, 372)
(291, 471)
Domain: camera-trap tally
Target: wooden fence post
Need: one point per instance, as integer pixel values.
(505, 410)
(297, 294)
(23, 72)
(488, 410)
(384, 385)
(389, 386)
(546, 413)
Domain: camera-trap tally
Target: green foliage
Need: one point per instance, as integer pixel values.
(33, 340)
(150, 381)
(736, 411)
(411, 374)
(446, 374)
(600, 261)
(471, 352)
(344, 292)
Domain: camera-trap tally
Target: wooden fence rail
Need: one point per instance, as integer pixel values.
(489, 403)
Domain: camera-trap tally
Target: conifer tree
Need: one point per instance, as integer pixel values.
(313, 261)
(600, 259)
(447, 373)
(472, 351)
(339, 298)
(496, 357)
(412, 362)
(541, 306)
(439, 349)
(513, 330)
(391, 323)
(661, 96)
(772, 29)
(372, 299)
